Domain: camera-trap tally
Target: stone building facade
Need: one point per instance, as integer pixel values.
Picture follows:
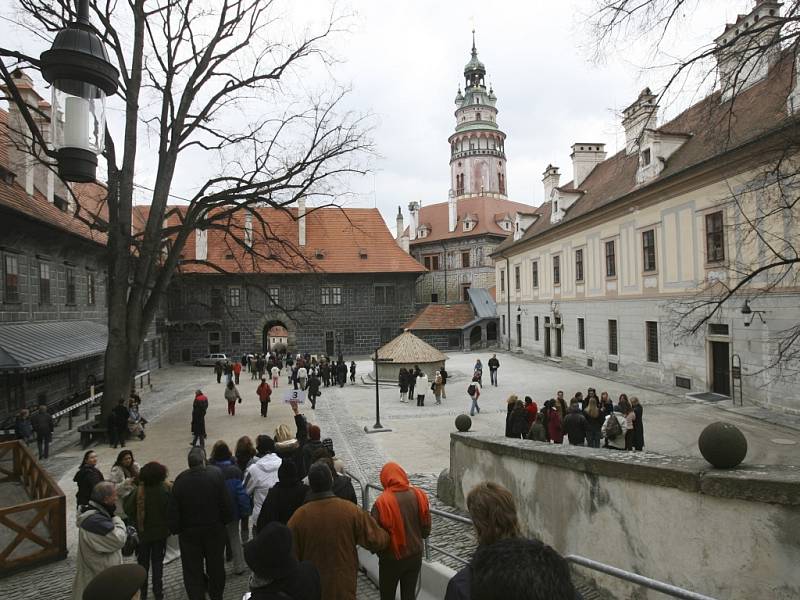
(615, 257)
(348, 288)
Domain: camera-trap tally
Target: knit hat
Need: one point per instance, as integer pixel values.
(320, 478)
(313, 432)
(119, 582)
(269, 554)
(287, 472)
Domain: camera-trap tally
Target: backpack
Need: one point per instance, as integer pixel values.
(471, 389)
(613, 428)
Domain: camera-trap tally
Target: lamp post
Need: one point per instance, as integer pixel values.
(81, 74)
(747, 311)
(378, 428)
(339, 355)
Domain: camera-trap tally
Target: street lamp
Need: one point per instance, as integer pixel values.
(747, 311)
(378, 428)
(81, 74)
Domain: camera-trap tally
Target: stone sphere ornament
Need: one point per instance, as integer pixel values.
(463, 423)
(723, 445)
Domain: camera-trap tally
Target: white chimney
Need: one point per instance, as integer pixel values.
(21, 162)
(452, 212)
(248, 229)
(584, 158)
(641, 115)
(201, 244)
(399, 223)
(550, 180)
(413, 213)
(301, 220)
(748, 48)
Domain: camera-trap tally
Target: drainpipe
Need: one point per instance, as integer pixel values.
(444, 261)
(508, 300)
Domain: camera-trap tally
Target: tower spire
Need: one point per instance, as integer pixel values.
(474, 50)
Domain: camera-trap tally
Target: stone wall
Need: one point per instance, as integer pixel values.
(451, 275)
(441, 339)
(358, 323)
(727, 534)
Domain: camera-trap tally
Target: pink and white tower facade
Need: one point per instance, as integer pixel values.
(477, 148)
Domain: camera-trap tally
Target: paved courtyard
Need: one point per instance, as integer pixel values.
(419, 439)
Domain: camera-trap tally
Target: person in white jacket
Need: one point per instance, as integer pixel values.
(262, 474)
(421, 388)
(101, 537)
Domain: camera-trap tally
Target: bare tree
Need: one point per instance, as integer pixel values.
(201, 78)
(762, 213)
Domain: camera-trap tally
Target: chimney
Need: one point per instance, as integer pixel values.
(413, 210)
(550, 180)
(248, 229)
(748, 48)
(452, 212)
(584, 158)
(21, 162)
(200, 244)
(399, 223)
(301, 220)
(641, 115)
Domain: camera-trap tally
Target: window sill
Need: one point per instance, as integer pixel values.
(611, 277)
(722, 264)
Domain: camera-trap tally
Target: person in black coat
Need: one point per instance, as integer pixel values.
(42, 424)
(412, 380)
(341, 373)
(313, 389)
(352, 371)
(199, 509)
(199, 408)
(519, 421)
(638, 426)
(87, 477)
(575, 426)
(118, 423)
(283, 498)
(277, 575)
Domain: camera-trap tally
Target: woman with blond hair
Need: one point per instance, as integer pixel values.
(594, 421)
(494, 516)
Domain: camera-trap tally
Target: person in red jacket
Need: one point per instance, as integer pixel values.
(237, 368)
(531, 409)
(264, 392)
(553, 417)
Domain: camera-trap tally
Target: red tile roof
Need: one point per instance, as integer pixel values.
(14, 197)
(713, 128)
(349, 240)
(441, 316)
(488, 211)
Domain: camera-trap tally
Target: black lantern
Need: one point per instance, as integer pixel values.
(82, 76)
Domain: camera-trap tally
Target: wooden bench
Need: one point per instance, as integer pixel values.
(91, 432)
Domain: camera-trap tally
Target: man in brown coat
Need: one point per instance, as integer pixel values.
(326, 531)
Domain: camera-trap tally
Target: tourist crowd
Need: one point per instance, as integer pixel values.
(583, 421)
(282, 507)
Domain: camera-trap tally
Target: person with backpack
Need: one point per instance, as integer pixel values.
(474, 392)
(613, 431)
(264, 392)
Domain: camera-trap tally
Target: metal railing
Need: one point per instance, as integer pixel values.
(647, 582)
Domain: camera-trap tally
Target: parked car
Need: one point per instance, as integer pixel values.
(209, 360)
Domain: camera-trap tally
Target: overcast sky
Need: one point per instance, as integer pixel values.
(404, 62)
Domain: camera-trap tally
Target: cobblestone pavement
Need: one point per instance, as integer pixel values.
(419, 441)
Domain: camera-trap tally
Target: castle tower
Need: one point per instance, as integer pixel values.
(477, 148)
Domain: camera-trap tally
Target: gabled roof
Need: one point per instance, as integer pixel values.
(441, 317)
(13, 197)
(348, 240)
(713, 129)
(482, 208)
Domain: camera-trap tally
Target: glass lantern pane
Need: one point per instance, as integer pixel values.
(79, 116)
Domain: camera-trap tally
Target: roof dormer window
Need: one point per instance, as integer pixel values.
(646, 157)
(469, 225)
